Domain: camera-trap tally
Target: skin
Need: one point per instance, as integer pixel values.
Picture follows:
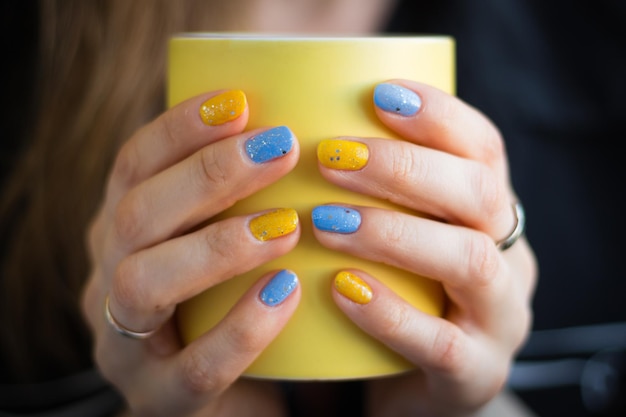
(136, 243)
(451, 166)
(464, 356)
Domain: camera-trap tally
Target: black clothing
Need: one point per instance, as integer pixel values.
(82, 395)
(552, 76)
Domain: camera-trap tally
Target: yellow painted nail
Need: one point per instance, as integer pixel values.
(274, 224)
(342, 154)
(223, 108)
(353, 287)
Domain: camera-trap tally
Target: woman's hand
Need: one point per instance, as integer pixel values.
(452, 167)
(151, 248)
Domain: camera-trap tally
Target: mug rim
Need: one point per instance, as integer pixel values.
(269, 36)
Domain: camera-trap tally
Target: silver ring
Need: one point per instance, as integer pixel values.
(121, 329)
(517, 232)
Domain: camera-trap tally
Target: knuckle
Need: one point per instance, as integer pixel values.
(213, 173)
(219, 245)
(402, 167)
(126, 166)
(395, 323)
(393, 234)
(483, 261)
(449, 349)
(127, 284)
(171, 129)
(199, 375)
(128, 218)
(447, 117)
(492, 149)
(486, 185)
(406, 171)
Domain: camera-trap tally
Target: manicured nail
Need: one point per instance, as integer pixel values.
(353, 288)
(342, 154)
(274, 224)
(279, 288)
(336, 219)
(270, 144)
(223, 108)
(396, 99)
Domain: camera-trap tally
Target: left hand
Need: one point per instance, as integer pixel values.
(452, 167)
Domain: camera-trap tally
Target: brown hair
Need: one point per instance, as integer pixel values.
(100, 76)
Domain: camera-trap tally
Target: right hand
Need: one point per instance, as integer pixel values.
(151, 248)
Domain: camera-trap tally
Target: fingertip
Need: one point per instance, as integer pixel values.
(223, 107)
(279, 288)
(336, 219)
(352, 287)
(268, 145)
(343, 154)
(396, 99)
(274, 224)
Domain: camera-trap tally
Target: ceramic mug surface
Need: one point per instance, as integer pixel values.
(321, 88)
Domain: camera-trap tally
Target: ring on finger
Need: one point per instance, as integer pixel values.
(120, 329)
(518, 231)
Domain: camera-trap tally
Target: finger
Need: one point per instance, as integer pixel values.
(432, 343)
(210, 364)
(427, 116)
(465, 364)
(465, 261)
(441, 185)
(204, 184)
(184, 381)
(150, 283)
(174, 135)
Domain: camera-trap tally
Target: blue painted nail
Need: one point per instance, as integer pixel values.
(279, 288)
(396, 99)
(336, 219)
(270, 144)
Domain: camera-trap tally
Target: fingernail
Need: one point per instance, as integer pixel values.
(336, 219)
(223, 108)
(274, 224)
(270, 144)
(353, 288)
(396, 99)
(279, 288)
(342, 154)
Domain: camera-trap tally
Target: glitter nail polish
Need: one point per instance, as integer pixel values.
(269, 145)
(342, 154)
(353, 288)
(279, 288)
(336, 219)
(274, 224)
(397, 99)
(223, 108)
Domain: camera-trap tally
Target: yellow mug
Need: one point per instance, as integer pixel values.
(319, 87)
